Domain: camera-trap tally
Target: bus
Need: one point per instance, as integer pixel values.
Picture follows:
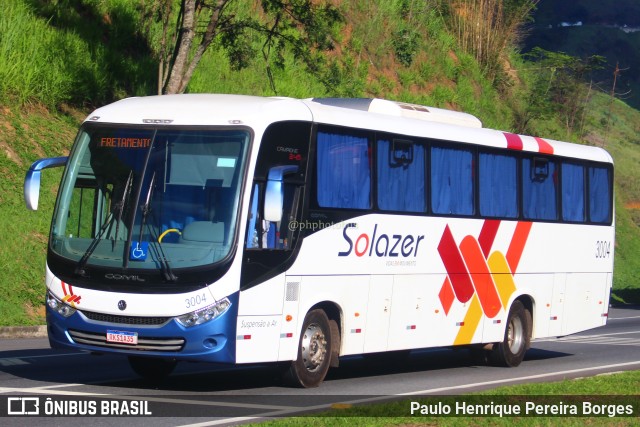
(235, 229)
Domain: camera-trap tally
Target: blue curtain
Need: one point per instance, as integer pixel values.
(539, 190)
(498, 186)
(599, 195)
(573, 192)
(344, 172)
(401, 186)
(451, 181)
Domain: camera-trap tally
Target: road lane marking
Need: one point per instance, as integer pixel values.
(44, 388)
(601, 339)
(12, 361)
(441, 390)
(568, 338)
(48, 391)
(84, 353)
(24, 360)
(624, 318)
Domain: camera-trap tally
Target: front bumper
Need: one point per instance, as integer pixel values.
(213, 341)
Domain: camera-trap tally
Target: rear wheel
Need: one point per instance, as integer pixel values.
(517, 337)
(151, 368)
(314, 352)
(479, 356)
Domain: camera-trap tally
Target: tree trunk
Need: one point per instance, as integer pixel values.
(175, 83)
(192, 38)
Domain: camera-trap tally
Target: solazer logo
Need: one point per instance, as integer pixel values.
(381, 245)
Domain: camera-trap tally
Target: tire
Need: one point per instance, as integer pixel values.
(314, 352)
(479, 356)
(151, 368)
(517, 338)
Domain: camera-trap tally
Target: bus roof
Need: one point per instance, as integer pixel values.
(201, 110)
(374, 114)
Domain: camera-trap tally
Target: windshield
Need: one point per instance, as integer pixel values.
(150, 198)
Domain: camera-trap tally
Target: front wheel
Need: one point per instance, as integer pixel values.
(517, 337)
(151, 368)
(314, 352)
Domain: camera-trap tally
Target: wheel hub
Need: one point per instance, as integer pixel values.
(515, 335)
(314, 347)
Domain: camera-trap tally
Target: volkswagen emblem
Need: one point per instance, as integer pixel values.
(122, 305)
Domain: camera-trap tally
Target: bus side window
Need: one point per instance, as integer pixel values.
(498, 185)
(344, 170)
(539, 182)
(573, 192)
(452, 185)
(253, 229)
(599, 195)
(288, 226)
(401, 176)
(264, 234)
(261, 234)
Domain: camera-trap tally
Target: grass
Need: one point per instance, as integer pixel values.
(24, 233)
(30, 66)
(610, 389)
(71, 52)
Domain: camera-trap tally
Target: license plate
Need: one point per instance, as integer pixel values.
(122, 337)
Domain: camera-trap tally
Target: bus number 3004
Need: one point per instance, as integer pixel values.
(603, 249)
(195, 300)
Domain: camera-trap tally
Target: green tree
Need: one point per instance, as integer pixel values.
(183, 30)
(560, 86)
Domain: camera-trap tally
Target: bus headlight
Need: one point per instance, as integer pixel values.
(58, 306)
(204, 315)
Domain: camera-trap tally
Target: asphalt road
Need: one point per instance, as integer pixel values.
(203, 395)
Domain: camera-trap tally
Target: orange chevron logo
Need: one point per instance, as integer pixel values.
(69, 296)
(478, 276)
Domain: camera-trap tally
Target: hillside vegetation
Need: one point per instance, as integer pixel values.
(61, 58)
(592, 27)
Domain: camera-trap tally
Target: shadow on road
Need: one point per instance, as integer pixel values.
(46, 365)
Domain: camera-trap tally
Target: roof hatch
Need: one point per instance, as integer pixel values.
(403, 109)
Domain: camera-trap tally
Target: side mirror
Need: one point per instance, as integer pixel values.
(32, 179)
(274, 195)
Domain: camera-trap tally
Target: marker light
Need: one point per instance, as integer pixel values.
(58, 306)
(204, 315)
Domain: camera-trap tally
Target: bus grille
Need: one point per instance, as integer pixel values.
(126, 320)
(144, 344)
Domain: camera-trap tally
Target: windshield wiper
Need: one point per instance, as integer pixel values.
(146, 207)
(94, 243)
(167, 273)
(120, 207)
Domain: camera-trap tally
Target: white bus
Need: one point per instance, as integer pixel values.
(235, 229)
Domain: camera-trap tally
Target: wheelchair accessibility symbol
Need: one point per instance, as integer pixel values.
(138, 251)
